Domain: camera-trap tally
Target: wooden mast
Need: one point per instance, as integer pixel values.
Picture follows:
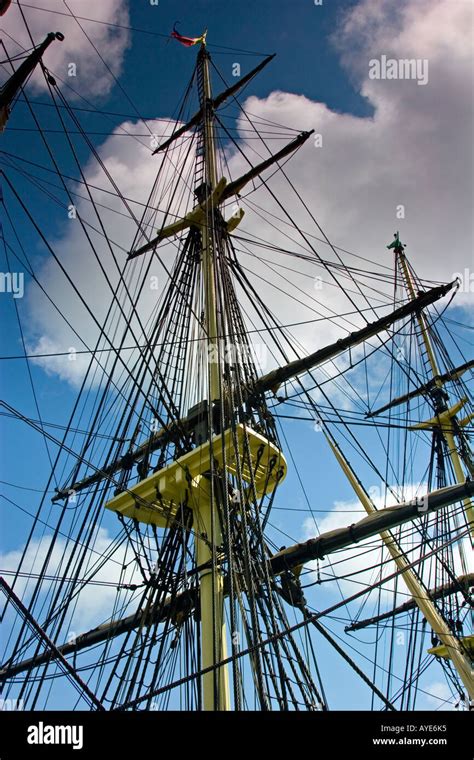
(459, 656)
(445, 414)
(215, 684)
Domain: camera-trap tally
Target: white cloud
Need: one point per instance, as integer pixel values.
(415, 150)
(94, 602)
(91, 272)
(92, 77)
(439, 696)
(350, 565)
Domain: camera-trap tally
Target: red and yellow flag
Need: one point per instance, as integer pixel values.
(188, 41)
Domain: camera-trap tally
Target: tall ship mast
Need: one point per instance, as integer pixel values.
(178, 458)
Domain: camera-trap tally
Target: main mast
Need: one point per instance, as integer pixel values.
(213, 632)
(195, 470)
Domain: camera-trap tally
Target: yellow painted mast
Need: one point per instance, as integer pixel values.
(459, 656)
(445, 414)
(171, 482)
(458, 653)
(215, 684)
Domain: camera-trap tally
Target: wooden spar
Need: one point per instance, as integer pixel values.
(424, 389)
(288, 559)
(461, 659)
(462, 584)
(276, 377)
(264, 383)
(234, 188)
(377, 521)
(12, 86)
(217, 101)
(445, 416)
(221, 192)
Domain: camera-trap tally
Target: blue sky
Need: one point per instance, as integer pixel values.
(297, 32)
(310, 63)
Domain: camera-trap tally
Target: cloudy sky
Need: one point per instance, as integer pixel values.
(408, 156)
(393, 154)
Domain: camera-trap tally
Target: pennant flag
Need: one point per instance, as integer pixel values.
(188, 41)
